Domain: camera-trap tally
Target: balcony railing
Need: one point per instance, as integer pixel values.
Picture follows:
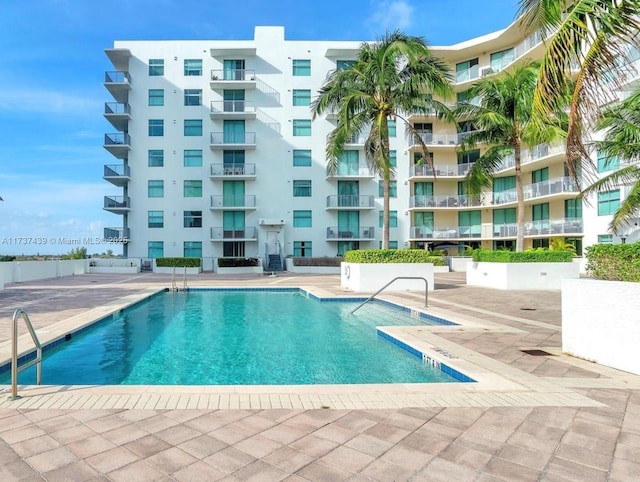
(445, 232)
(117, 139)
(443, 201)
(116, 170)
(224, 234)
(233, 170)
(117, 77)
(233, 107)
(550, 187)
(553, 227)
(116, 233)
(346, 170)
(339, 233)
(242, 138)
(117, 202)
(117, 108)
(231, 202)
(441, 170)
(233, 74)
(530, 155)
(350, 201)
(444, 139)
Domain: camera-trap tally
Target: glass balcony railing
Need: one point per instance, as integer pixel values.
(116, 233)
(350, 201)
(233, 75)
(441, 170)
(117, 202)
(339, 233)
(117, 77)
(234, 234)
(116, 170)
(230, 202)
(462, 201)
(240, 138)
(117, 108)
(233, 170)
(117, 139)
(219, 107)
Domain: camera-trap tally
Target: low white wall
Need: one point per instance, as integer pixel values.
(179, 271)
(114, 269)
(459, 263)
(310, 269)
(373, 276)
(600, 322)
(520, 276)
(21, 271)
(240, 270)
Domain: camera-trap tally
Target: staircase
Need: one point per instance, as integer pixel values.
(275, 263)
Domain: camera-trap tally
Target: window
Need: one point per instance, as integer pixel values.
(499, 60)
(469, 156)
(469, 223)
(233, 100)
(606, 163)
(301, 67)
(156, 157)
(344, 64)
(467, 70)
(155, 249)
(233, 69)
(573, 208)
(301, 157)
(193, 127)
(540, 212)
(608, 202)
(301, 188)
(192, 188)
(301, 219)
(393, 189)
(193, 249)
(423, 127)
(605, 238)
(393, 219)
(155, 219)
(156, 97)
(392, 244)
(233, 249)
(540, 243)
(193, 158)
(302, 249)
(301, 97)
(192, 219)
(192, 67)
(301, 127)
(540, 175)
(504, 216)
(192, 96)
(423, 218)
(391, 123)
(156, 67)
(156, 127)
(232, 160)
(393, 158)
(155, 188)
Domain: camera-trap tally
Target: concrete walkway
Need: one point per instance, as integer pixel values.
(534, 415)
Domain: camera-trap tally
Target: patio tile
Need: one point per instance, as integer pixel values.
(511, 471)
(369, 445)
(314, 445)
(34, 446)
(321, 471)
(258, 446)
(350, 459)
(260, 471)
(441, 470)
(77, 472)
(574, 471)
(134, 472)
(91, 446)
(202, 446)
(288, 459)
(51, 460)
(229, 460)
(198, 471)
(283, 434)
(16, 470)
(170, 460)
(147, 446)
(110, 460)
(383, 470)
(123, 435)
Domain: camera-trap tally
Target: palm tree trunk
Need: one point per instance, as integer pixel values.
(520, 197)
(385, 210)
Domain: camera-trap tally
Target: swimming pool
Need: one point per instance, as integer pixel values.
(238, 337)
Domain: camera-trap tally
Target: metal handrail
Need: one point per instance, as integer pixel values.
(15, 369)
(426, 291)
(184, 283)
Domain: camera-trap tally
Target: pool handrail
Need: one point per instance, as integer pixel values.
(15, 369)
(426, 291)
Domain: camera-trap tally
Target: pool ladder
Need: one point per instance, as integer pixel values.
(426, 291)
(174, 284)
(15, 369)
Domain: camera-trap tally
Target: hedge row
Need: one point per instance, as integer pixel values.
(503, 256)
(614, 262)
(237, 262)
(178, 262)
(392, 256)
(324, 261)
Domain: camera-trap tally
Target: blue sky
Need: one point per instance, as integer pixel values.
(52, 64)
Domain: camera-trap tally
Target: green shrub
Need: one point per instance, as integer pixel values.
(614, 262)
(392, 256)
(325, 261)
(237, 262)
(6, 257)
(178, 262)
(535, 256)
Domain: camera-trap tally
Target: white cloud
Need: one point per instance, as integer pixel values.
(389, 15)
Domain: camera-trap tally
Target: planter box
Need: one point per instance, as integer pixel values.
(373, 276)
(310, 269)
(600, 322)
(179, 271)
(459, 263)
(240, 270)
(520, 276)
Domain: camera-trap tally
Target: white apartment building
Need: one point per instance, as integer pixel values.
(218, 156)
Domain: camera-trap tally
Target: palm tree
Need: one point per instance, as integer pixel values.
(391, 79)
(621, 125)
(503, 123)
(592, 36)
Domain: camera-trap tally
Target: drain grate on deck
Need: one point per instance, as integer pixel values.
(536, 352)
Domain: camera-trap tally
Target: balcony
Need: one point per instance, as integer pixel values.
(118, 84)
(233, 171)
(357, 140)
(118, 144)
(118, 115)
(233, 203)
(554, 227)
(435, 233)
(443, 140)
(527, 156)
(444, 201)
(233, 109)
(117, 204)
(336, 233)
(117, 174)
(222, 141)
(440, 170)
(551, 187)
(345, 171)
(349, 202)
(116, 233)
(219, 234)
(233, 79)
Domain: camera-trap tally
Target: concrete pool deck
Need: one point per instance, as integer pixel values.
(532, 416)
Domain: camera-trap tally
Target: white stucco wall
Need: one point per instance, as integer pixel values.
(520, 276)
(371, 277)
(600, 322)
(21, 271)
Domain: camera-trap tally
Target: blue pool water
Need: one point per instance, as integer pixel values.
(237, 338)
